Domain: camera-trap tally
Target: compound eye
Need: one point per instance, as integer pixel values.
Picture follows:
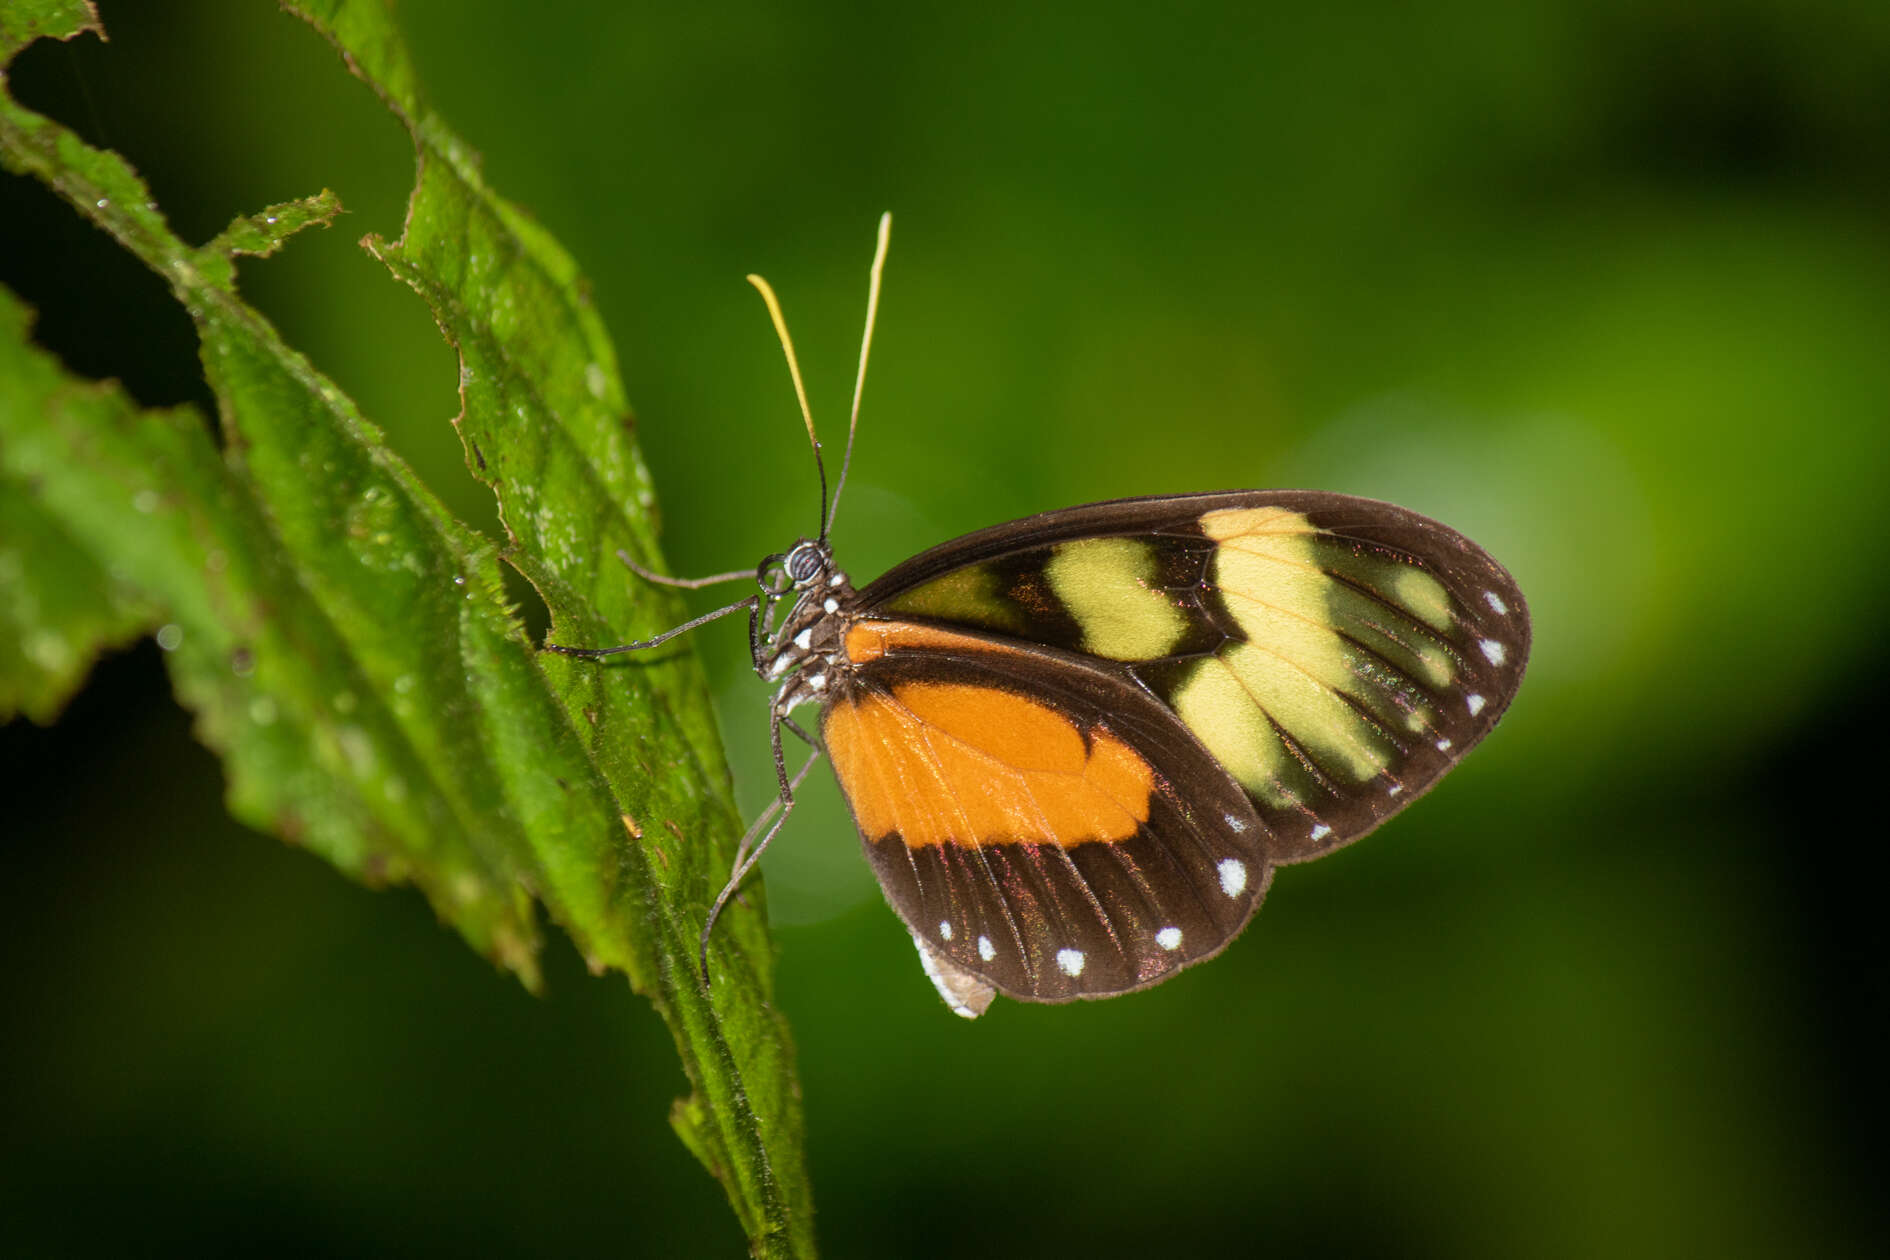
(804, 564)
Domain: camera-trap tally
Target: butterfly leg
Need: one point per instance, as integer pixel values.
(780, 756)
(752, 604)
(749, 852)
(688, 584)
(803, 736)
(784, 796)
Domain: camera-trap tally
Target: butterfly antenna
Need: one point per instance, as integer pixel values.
(859, 383)
(800, 390)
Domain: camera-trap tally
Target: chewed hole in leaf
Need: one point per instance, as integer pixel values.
(102, 312)
(529, 604)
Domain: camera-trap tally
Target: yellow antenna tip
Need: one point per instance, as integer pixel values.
(787, 348)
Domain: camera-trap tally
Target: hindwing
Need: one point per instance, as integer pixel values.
(1043, 826)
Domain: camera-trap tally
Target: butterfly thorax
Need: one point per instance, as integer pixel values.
(805, 652)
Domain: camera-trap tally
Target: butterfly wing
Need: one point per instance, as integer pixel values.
(1044, 827)
(1333, 656)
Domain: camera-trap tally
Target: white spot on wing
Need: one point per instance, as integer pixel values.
(1235, 823)
(986, 950)
(1394, 789)
(1476, 703)
(805, 639)
(1169, 938)
(944, 930)
(1443, 745)
(831, 605)
(1233, 876)
(1493, 650)
(1496, 601)
(1321, 832)
(1070, 962)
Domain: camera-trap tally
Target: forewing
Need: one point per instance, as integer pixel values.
(1334, 655)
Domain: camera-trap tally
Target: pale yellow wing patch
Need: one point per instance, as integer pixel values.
(1106, 584)
(1341, 651)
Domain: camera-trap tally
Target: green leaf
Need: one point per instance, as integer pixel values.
(59, 605)
(345, 643)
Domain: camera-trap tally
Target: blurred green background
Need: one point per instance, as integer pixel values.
(1604, 285)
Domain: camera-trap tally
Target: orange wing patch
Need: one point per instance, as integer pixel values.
(869, 640)
(950, 763)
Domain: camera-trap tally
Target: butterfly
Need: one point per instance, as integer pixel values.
(1078, 745)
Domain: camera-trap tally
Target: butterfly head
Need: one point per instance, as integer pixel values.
(808, 564)
(807, 637)
(792, 575)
